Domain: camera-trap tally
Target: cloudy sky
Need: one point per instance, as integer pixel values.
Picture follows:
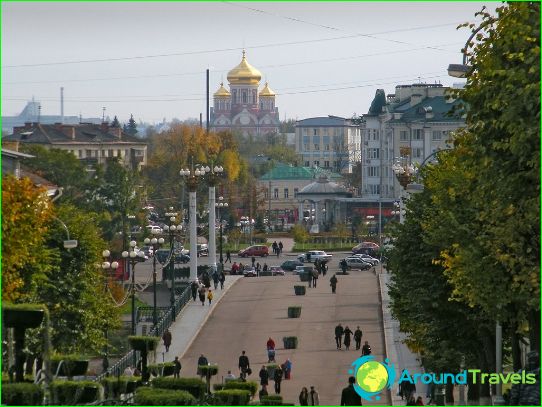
(149, 59)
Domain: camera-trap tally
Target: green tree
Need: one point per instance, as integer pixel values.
(131, 127)
(115, 122)
(300, 234)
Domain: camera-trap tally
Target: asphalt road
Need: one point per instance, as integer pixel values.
(256, 308)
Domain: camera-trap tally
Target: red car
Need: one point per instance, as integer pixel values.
(253, 251)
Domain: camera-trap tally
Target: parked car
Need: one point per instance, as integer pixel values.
(367, 258)
(162, 255)
(302, 269)
(154, 229)
(148, 250)
(203, 249)
(276, 271)
(290, 265)
(182, 258)
(249, 271)
(312, 255)
(253, 251)
(369, 248)
(357, 263)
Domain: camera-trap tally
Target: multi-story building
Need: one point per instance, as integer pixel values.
(332, 142)
(91, 143)
(410, 125)
(243, 107)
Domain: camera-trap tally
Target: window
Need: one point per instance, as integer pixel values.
(416, 153)
(244, 96)
(376, 135)
(88, 153)
(403, 135)
(373, 171)
(80, 153)
(326, 147)
(296, 190)
(417, 134)
(317, 146)
(316, 163)
(314, 132)
(372, 153)
(374, 189)
(285, 193)
(306, 147)
(276, 193)
(326, 164)
(307, 163)
(437, 135)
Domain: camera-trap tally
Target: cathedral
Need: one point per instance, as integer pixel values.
(245, 108)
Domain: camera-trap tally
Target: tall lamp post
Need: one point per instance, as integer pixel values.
(171, 230)
(193, 177)
(404, 171)
(213, 178)
(221, 204)
(132, 258)
(156, 243)
(107, 268)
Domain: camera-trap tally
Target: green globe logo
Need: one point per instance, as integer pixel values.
(372, 377)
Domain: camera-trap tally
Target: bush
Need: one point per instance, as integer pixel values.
(271, 400)
(72, 365)
(23, 315)
(143, 343)
(207, 370)
(22, 394)
(148, 396)
(300, 289)
(68, 392)
(162, 369)
(114, 386)
(233, 397)
(252, 387)
(294, 312)
(290, 342)
(218, 386)
(194, 386)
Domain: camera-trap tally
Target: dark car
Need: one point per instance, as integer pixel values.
(182, 258)
(290, 265)
(253, 251)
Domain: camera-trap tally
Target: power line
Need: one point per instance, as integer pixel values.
(279, 44)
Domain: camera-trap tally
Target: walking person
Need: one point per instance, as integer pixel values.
(215, 279)
(314, 277)
(253, 262)
(166, 337)
(222, 278)
(304, 397)
(265, 267)
(366, 350)
(244, 366)
(339, 330)
(287, 369)
(347, 333)
(228, 257)
(343, 265)
(210, 297)
(333, 283)
(281, 246)
(313, 397)
(202, 361)
(277, 376)
(357, 337)
(176, 368)
(201, 293)
(349, 396)
(194, 288)
(264, 377)
(275, 247)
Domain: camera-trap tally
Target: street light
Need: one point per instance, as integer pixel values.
(132, 259)
(221, 204)
(156, 243)
(193, 177)
(214, 174)
(107, 267)
(171, 230)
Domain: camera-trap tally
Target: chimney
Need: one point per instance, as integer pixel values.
(415, 99)
(117, 132)
(62, 105)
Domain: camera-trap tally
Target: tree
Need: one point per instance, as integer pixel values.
(287, 126)
(115, 122)
(26, 211)
(131, 127)
(300, 234)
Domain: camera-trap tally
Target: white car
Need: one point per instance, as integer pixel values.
(357, 263)
(313, 255)
(367, 258)
(154, 229)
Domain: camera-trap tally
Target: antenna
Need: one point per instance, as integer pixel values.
(62, 104)
(39, 112)
(103, 114)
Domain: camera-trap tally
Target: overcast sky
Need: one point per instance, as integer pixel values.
(149, 59)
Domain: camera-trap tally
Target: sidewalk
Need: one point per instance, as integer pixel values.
(397, 352)
(189, 322)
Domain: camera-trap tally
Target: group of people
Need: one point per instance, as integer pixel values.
(309, 398)
(277, 247)
(199, 290)
(347, 333)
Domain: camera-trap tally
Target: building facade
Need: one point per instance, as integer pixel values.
(91, 143)
(411, 124)
(244, 107)
(332, 143)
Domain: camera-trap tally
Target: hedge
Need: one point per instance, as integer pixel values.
(233, 397)
(148, 396)
(194, 386)
(72, 365)
(68, 392)
(252, 387)
(22, 394)
(114, 386)
(162, 369)
(143, 343)
(271, 400)
(205, 370)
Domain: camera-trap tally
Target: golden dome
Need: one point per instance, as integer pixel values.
(244, 74)
(222, 91)
(267, 91)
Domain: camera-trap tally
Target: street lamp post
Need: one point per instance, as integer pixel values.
(156, 243)
(221, 204)
(404, 171)
(171, 230)
(107, 267)
(213, 179)
(193, 176)
(131, 258)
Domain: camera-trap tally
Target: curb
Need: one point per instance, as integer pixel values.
(200, 326)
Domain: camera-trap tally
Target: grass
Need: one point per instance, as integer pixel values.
(338, 246)
(127, 308)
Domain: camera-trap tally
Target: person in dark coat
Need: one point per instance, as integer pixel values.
(264, 377)
(202, 361)
(253, 261)
(347, 334)
(166, 337)
(221, 278)
(339, 331)
(333, 283)
(176, 368)
(304, 397)
(343, 265)
(215, 279)
(357, 337)
(275, 247)
(366, 350)
(277, 376)
(228, 257)
(314, 277)
(194, 289)
(244, 365)
(201, 293)
(349, 396)
(280, 247)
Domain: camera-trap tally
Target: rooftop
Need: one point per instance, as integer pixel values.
(329, 121)
(283, 171)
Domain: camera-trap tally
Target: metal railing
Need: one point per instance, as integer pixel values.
(164, 322)
(145, 314)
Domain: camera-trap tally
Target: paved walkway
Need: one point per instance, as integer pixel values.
(397, 352)
(190, 321)
(256, 309)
